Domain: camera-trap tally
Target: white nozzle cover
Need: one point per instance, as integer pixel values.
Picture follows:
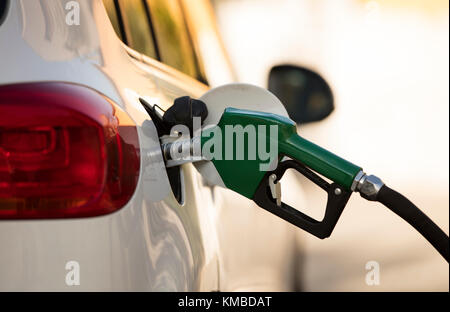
(236, 95)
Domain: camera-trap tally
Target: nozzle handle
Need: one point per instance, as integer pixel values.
(337, 199)
(320, 160)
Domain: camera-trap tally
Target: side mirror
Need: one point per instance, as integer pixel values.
(306, 96)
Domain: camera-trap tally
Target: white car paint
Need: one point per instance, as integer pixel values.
(214, 240)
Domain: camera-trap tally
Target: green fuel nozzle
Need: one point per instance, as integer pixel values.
(253, 135)
(252, 150)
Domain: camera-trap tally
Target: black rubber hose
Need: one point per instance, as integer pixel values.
(415, 217)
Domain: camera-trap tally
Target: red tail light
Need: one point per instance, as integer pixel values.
(65, 151)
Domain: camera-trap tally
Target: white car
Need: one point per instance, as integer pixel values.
(86, 202)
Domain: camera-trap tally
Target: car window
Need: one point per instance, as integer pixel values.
(158, 29)
(112, 13)
(172, 36)
(137, 26)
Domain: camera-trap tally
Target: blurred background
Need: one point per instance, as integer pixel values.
(387, 63)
